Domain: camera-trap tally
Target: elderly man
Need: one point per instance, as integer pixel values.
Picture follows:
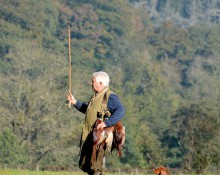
(103, 102)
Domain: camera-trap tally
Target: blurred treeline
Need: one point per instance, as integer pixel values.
(163, 58)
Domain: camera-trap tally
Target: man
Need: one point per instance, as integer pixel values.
(103, 102)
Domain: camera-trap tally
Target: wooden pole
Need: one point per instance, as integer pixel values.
(70, 64)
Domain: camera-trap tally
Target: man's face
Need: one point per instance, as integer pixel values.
(96, 86)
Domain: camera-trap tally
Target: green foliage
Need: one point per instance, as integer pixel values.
(197, 133)
(156, 68)
(170, 42)
(11, 150)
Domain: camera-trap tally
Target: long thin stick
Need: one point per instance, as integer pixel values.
(70, 64)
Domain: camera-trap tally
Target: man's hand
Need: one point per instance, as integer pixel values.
(101, 125)
(71, 99)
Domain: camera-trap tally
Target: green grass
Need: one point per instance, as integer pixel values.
(28, 172)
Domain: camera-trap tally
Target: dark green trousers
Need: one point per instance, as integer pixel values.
(85, 162)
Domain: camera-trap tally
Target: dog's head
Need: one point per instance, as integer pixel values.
(161, 171)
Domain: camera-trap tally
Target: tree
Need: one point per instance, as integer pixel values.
(33, 103)
(197, 130)
(12, 152)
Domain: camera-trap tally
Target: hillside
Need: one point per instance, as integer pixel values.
(183, 13)
(163, 59)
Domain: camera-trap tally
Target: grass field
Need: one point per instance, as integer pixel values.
(28, 172)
